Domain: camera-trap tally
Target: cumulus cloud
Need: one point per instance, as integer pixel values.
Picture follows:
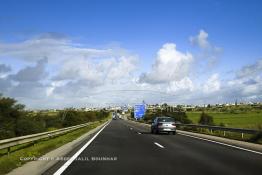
(209, 53)
(250, 70)
(170, 65)
(212, 84)
(28, 90)
(57, 72)
(200, 40)
(98, 73)
(185, 84)
(4, 68)
(31, 73)
(56, 69)
(5, 84)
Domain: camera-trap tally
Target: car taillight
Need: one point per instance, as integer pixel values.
(174, 124)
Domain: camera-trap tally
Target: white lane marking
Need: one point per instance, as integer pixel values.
(220, 143)
(63, 168)
(138, 132)
(131, 128)
(157, 144)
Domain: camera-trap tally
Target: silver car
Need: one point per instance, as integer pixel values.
(163, 124)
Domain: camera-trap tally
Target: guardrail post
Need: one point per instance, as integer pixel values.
(8, 151)
(224, 133)
(211, 131)
(242, 135)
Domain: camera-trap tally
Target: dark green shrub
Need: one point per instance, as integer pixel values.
(206, 119)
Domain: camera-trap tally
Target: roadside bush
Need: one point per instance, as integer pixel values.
(256, 138)
(7, 130)
(182, 117)
(72, 117)
(222, 124)
(53, 122)
(206, 119)
(27, 126)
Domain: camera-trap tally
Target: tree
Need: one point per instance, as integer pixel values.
(206, 119)
(10, 113)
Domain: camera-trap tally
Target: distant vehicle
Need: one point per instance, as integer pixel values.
(163, 124)
(114, 116)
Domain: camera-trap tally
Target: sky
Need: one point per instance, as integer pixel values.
(65, 53)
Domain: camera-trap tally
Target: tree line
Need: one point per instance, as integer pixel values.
(16, 121)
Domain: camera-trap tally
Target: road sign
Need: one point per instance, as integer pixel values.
(139, 111)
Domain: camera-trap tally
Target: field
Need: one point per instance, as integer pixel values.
(252, 120)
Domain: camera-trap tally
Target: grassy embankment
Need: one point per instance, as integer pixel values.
(250, 120)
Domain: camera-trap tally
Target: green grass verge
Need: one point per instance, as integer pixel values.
(252, 120)
(8, 163)
(229, 135)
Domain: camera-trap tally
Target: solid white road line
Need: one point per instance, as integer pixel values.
(63, 168)
(159, 145)
(220, 143)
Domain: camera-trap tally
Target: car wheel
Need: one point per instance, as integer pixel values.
(156, 131)
(174, 132)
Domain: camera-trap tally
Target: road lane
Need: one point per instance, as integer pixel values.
(137, 154)
(220, 158)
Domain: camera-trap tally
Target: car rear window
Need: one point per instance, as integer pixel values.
(167, 119)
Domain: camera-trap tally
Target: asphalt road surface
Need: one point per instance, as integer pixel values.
(128, 148)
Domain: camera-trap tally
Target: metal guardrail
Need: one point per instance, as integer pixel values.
(8, 143)
(242, 131)
(219, 128)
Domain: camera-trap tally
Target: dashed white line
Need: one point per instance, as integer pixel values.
(131, 128)
(138, 132)
(157, 144)
(63, 168)
(220, 143)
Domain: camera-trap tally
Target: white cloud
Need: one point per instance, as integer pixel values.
(4, 68)
(52, 47)
(183, 85)
(170, 65)
(209, 53)
(200, 40)
(76, 75)
(31, 74)
(212, 84)
(73, 71)
(98, 73)
(250, 70)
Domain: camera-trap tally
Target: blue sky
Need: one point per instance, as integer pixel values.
(139, 29)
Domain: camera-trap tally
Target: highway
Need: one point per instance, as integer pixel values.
(129, 148)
